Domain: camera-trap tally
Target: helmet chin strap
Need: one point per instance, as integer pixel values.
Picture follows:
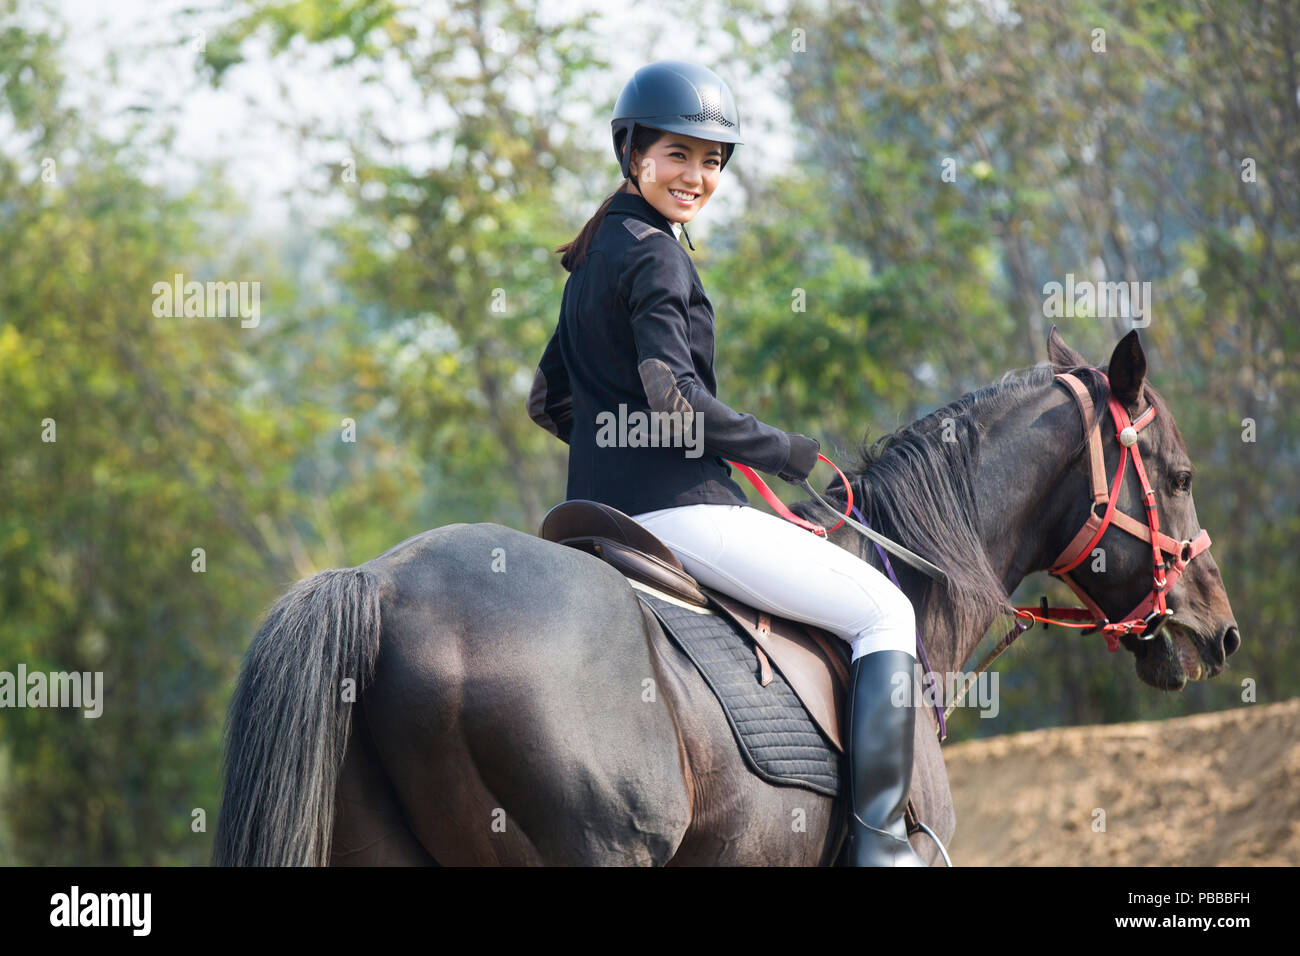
(682, 224)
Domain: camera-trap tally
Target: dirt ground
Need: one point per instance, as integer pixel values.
(1208, 790)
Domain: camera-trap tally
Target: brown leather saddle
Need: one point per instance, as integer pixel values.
(813, 661)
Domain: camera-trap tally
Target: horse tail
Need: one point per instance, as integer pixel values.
(289, 721)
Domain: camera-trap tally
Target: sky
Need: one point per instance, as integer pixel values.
(240, 125)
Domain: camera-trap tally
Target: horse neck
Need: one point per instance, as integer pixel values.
(1024, 495)
(1023, 489)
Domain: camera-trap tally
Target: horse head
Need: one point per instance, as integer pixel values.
(1194, 640)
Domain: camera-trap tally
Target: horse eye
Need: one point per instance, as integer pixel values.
(1183, 481)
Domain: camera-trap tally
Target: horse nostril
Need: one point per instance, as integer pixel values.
(1231, 641)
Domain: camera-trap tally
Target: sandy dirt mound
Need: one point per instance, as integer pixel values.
(1213, 789)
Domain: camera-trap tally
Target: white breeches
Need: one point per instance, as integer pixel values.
(780, 568)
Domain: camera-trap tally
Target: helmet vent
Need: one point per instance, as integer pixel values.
(712, 111)
(710, 114)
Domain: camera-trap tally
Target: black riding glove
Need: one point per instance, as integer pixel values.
(802, 460)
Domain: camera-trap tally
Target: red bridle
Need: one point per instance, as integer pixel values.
(1146, 617)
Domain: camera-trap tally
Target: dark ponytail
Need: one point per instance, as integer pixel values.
(575, 251)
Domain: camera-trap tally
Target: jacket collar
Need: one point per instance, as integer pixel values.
(635, 205)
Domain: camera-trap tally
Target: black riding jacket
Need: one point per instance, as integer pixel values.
(636, 330)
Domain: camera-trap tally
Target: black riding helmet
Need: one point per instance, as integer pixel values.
(676, 97)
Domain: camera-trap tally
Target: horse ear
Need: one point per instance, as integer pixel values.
(1127, 369)
(1063, 357)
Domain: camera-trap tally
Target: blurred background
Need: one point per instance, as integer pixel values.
(395, 176)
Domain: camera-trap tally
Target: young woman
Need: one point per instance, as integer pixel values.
(636, 335)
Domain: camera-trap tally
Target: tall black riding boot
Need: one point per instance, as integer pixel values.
(880, 760)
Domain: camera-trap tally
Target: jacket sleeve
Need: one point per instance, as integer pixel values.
(550, 402)
(656, 285)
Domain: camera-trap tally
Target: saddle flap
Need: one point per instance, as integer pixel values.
(812, 665)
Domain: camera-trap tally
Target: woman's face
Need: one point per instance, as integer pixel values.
(678, 174)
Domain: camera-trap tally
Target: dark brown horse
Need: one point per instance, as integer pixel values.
(480, 695)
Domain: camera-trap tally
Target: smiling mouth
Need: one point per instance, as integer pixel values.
(683, 196)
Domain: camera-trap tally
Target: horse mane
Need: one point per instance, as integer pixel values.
(916, 486)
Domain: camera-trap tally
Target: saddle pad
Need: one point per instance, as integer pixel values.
(777, 737)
